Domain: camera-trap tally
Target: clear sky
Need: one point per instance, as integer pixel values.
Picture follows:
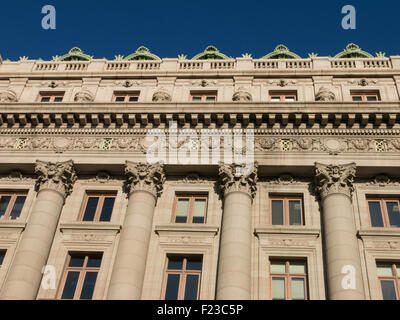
(172, 27)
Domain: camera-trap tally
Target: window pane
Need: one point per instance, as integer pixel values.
(88, 286)
(295, 212)
(94, 261)
(298, 289)
(45, 99)
(192, 285)
(175, 263)
(133, 99)
(119, 99)
(107, 209)
(4, 201)
(290, 99)
(90, 210)
(394, 214)
(70, 285)
(278, 267)
(171, 293)
(375, 214)
(210, 99)
(388, 290)
(77, 261)
(2, 255)
(275, 99)
(194, 264)
(278, 289)
(199, 210)
(277, 212)
(182, 210)
(58, 99)
(297, 268)
(385, 271)
(196, 99)
(357, 98)
(18, 205)
(372, 98)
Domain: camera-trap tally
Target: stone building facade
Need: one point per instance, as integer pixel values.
(84, 215)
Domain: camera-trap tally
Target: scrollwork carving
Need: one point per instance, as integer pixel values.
(324, 94)
(242, 95)
(235, 177)
(8, 96)
(162, 95)
(84, 96)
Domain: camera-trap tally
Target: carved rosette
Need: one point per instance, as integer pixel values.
(145, 177)
(331, 179)
(240, 178)
(59, 176)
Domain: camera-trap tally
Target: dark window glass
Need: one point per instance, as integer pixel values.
(388, 290)
(295, 212)
(2, 255)
(58, 99)
(376, 214)
(199, 210)
(18, 205)
(45, 99)
(94, 261)
(175, 263)
(193, 264)
(88, 286)
(91, 207)
(277, 212)
(77, 261)
(107, 209)
(357, 98)
(120, 99)
(394, 214)
(4, 201)
(70, 285)
(182, 210)
(196, 98)
(192, 285)
(171, 292)
(210, 99)
(372, 98)
(133, 99)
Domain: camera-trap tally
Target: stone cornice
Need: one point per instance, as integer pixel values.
(59, 176)
(333, 179)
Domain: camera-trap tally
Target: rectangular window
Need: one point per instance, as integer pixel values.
(80, 276)
(48, 97)
(126, 96)
(182, 278)
(190, 209)
(365, 96)
(384, 212)
(389, 280)
(203, 96)
(288, 280)
(97, 207)
(286, 211)
(2, 256)
(11, 205)
(283, 96)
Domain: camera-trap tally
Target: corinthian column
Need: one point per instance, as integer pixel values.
(144, 186)
(234, 267)
(54, 184)
(343, 264)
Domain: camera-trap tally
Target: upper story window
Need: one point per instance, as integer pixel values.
(97, 207)
(49, 97)
(126, 96)
(289, 280)
(384, 212)
(190, 209)
(365, 96)
(11, 205)
(2, 256)
(286, 210)
(282, 96)
(389, 280)
(182, 278)
(198, 96)
(79, 279)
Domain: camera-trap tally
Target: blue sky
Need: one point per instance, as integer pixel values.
(172, 27)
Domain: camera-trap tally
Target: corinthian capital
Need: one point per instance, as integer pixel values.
(235, 177)
(59, 176)
(330, 179)
(145, 177)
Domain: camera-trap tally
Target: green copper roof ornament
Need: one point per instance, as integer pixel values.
(210, 53)
(247, 55)
(353, 51)
(281, 52)
(119, 57)
(381, 54)
(182, 57)
(75, 54)
(142, 53)
(313, 55)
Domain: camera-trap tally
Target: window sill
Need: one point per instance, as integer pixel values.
(12, 224)
(298, 230)
(90, 226)
(192, 228)
(379, 232)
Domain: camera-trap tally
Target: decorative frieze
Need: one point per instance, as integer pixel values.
(331, 179)
(145, 177)
(59, 176)
(235, 177)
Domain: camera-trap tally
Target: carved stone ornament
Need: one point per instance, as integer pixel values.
(240, 178)
(242, 95)
(59, 176)
(324, 94)
(162, 95)
(331, 179)
(84, 96)
(8, 96)
(145, 177)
